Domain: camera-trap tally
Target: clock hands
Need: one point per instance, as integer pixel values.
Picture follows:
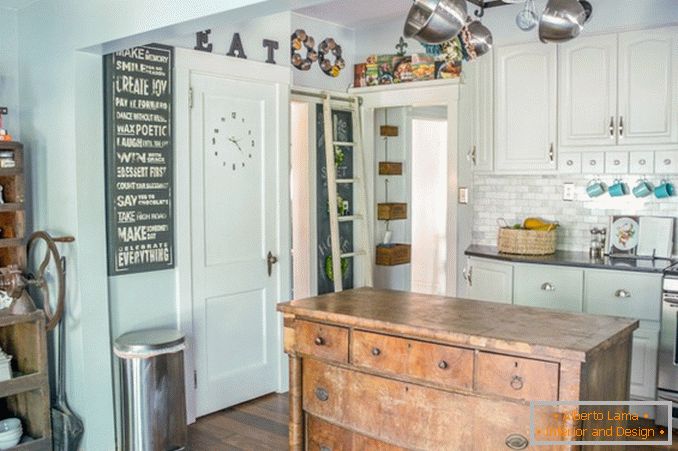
(236, 141)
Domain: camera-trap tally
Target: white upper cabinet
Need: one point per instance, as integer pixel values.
(525, 108)
(648, 87)
(481, 155)
(588, 91)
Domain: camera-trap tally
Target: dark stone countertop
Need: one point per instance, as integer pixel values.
(572, 258)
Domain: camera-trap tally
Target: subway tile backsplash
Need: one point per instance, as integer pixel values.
(515, 197)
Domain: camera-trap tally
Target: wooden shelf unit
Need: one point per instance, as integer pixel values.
(13, 212)
(26, 396)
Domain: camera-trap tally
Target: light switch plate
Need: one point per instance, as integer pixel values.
(568, 192)
(463, 195)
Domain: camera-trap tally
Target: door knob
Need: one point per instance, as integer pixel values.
(270, 261)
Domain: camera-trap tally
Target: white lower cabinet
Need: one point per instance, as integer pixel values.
(489, 280)
(594, 291)
(548, 287)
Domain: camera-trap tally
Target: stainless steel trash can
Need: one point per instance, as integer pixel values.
(152, 402)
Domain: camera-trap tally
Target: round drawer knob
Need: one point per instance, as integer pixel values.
(570, 162)
(376, 352)
(325, 448)
(622, 294)
(667, 162)
(443, 365)
(322, 394)
(642, 162)
(320, 341)
(617, 162)
(517, 441)
(517, 383)
(593, 162)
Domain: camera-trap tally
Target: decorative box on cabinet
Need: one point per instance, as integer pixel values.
(390, 168)
(390, 211)
(525, 95)
(397, 254)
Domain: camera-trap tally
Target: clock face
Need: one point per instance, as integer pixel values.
(234, 139)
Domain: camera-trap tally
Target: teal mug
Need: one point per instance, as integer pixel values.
(643, 188)
(664, 190)
(618, 188)
(595, 188)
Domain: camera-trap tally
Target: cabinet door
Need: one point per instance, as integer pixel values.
(490, 281)
(482, 153)
(553, 287)
(587, 69)
(648, 87)
(644, 362)
(525, 108)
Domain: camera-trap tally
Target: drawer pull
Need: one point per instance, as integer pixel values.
(325, 448)
(517, 383)
(622, 294)
(322, 394)
(667, 162)
(548, 286)
(443, 365)
(320, 341)
(642, 162)
(517, 441)
(376, 352)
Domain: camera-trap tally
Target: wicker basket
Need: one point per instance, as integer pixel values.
(526, 242)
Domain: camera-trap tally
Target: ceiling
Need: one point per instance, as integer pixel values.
(15, 4)
(357, 13)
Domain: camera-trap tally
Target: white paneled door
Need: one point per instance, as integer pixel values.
(234, 224)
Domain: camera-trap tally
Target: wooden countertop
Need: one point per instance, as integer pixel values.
(501, 327)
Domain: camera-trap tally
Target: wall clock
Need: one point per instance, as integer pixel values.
(234, 139)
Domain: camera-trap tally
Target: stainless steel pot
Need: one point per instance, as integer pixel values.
(435, 21)
(561, 21)
(479, 38)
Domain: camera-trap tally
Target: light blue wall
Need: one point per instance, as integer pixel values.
(60, 93)
(9, 70)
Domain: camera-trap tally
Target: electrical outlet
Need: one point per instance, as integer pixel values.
(568, 192)
(463, 195)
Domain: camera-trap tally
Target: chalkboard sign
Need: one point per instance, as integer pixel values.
(139, 159)
(343, 160)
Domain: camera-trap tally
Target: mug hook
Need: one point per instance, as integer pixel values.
(480, 12)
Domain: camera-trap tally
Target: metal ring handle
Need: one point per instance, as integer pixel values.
(517, 383)
(517, 441)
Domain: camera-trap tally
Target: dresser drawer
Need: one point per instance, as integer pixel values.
(447, 365)
(322, 341)
(324, 436)
(623, 293)
(516, 377)
(553, 287)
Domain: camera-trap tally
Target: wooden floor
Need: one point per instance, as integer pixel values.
(261, 424)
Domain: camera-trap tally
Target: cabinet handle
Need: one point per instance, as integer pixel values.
(473, 156)
(621, 126)
(570, 162)
(319, 341)
(325, 448)
(548, 286)
(622, 294)
(611, 127)
(642, 162)
(517, 383)
(517, 441)
(322, 394)
(468, 273)
(616, 162)
(593, 162)
(667, 162)
(443, 365)
(552, 153)
(376, 352)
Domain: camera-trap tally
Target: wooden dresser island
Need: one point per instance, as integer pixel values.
(387, 370)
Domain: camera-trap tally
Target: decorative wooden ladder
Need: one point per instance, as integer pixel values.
(362, 249)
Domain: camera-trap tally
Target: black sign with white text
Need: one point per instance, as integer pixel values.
(139, 159)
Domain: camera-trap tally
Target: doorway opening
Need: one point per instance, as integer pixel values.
(429, 201)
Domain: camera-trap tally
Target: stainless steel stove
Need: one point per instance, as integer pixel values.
(667, 383)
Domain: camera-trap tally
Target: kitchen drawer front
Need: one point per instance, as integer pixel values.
(408, 415)
(516, 377)
(447, 365)
(666, 162)
(622, 293)
(569, 163)
(553, 287)
(593, 162)
(411, 416)
(616, 162)
(641, 162)
(324, 436)
(322, 341)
